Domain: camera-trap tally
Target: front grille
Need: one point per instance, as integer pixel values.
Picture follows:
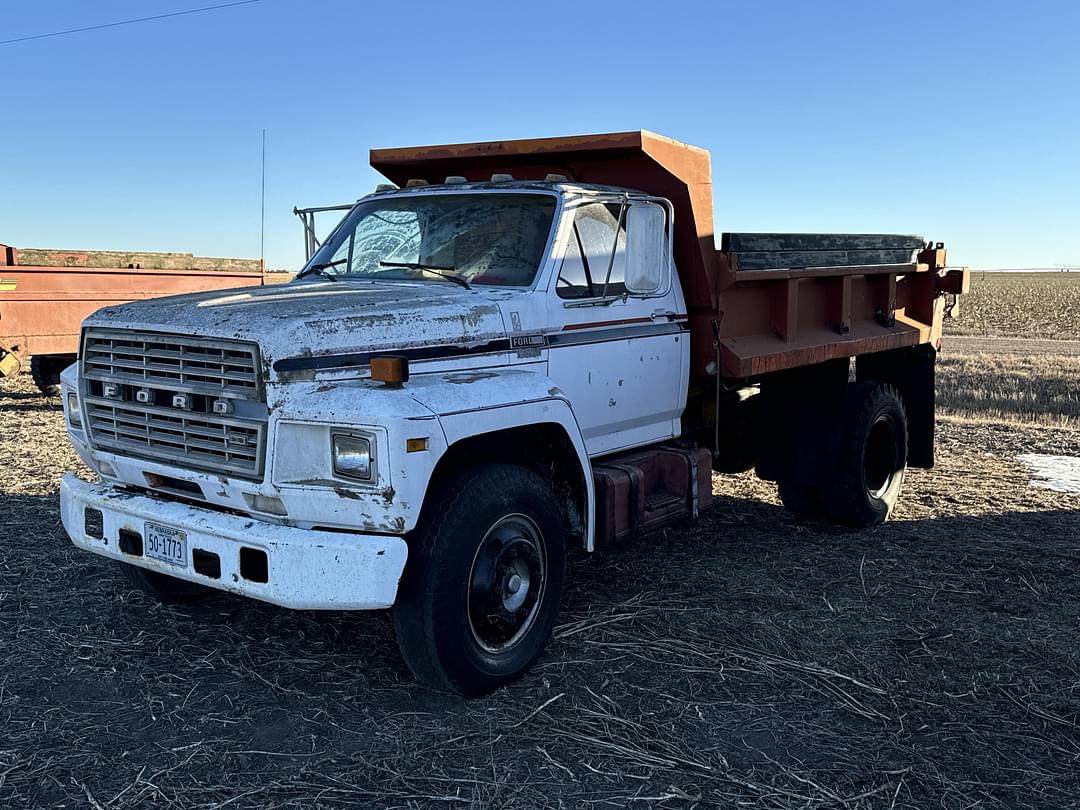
(194, 441)
(155, 397)
(173, 361)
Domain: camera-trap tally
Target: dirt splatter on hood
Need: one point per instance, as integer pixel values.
(314, 318)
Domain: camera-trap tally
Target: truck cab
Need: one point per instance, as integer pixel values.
(469, 377)
(557, 266)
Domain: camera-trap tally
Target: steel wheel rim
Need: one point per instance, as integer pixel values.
(507, 582)
(880, 458)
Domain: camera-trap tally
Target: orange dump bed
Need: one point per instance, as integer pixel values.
(869, 292)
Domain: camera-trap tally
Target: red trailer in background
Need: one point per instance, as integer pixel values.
(43, 301)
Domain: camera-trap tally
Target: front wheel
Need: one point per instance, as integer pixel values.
(162, 587)
(482, 587)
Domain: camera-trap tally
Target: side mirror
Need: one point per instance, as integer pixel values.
(646, 254)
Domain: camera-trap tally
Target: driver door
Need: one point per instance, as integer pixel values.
(621, 352)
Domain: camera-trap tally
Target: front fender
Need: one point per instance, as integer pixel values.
(474, 403)
(443, 408)
(302, 416)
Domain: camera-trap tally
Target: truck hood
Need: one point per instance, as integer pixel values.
(318, 320)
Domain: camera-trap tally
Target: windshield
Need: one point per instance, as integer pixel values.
(482, 238)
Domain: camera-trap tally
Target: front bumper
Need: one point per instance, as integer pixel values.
(305, 568)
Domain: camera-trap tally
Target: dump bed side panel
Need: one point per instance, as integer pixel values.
(768, 251)
(791, 300)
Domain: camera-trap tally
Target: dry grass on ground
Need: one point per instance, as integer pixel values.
(747, 660)
(1026, 305)
(1042, 388)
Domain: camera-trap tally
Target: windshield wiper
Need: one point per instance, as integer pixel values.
(320, 269)
(443, 272)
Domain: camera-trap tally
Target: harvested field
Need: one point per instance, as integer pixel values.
(1013, 353)
(1041, 385)
(1024, 305)
(747, 660)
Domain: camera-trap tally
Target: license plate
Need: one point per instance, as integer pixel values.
(165, 543)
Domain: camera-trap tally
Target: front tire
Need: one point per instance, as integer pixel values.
(162, 587)
(481, 590)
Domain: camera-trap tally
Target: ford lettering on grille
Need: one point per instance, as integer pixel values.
(192, 402)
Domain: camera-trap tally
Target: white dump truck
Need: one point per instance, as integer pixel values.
(520, 348)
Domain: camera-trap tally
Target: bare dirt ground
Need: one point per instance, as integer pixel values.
(747, 660)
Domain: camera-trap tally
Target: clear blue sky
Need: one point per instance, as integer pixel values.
(956, 120)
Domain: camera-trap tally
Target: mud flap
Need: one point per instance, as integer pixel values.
(800, 417)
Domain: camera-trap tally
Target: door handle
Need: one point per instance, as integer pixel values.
(663, 313)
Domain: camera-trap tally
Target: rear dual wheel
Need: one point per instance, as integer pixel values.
(864, 485)
(873, 456)
(481, 591)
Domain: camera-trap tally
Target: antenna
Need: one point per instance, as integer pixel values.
(262, 206)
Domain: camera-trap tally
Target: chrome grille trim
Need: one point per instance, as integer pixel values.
(198, 365)
(188, 440)
(158, 366)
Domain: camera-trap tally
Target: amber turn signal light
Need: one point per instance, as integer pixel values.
(390, 369)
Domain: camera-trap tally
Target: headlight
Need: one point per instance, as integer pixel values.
(73, 415)
(352, 456)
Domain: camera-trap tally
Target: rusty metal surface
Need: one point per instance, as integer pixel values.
(41, 308)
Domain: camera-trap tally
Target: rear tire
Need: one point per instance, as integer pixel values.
(481, 590)
(737, 450)
(45, 369)
(162, 587)
(872, 459)
(806, 502)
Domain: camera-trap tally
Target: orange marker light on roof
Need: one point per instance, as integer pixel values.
(391, 369)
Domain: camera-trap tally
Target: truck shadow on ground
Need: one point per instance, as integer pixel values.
(733, 657)
(28, 407)
(12, 401)
(18, 395)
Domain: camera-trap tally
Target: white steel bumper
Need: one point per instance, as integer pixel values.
(304, 568)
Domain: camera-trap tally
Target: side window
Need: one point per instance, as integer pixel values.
(585, 266)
